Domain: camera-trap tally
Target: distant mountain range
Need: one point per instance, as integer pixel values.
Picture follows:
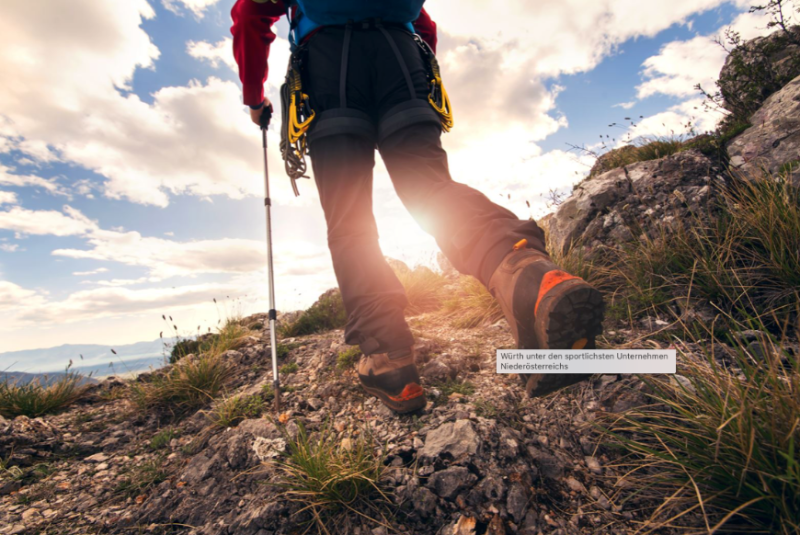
(22, 378)
(86, 358)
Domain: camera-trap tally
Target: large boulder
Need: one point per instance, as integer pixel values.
(774, 139)
(621, 204)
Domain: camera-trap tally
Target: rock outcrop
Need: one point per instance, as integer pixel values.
(774, 139)
(645, 197)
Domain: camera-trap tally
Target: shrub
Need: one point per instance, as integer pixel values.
(326, 314)
(37, 397)
(723, 442)
(231, 411)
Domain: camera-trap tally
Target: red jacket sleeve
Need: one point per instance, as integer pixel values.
(252, 35)
(426, 28)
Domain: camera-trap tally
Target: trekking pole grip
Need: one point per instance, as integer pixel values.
(266, 117)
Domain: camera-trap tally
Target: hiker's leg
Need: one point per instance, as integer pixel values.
(342, 163)
(373, 296)
(473, 232)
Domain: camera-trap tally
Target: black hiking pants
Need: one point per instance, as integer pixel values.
(472, 232)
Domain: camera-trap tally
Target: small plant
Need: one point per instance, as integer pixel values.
(424, 289)
(163, 438)
(486, 409)
(37, 397)
(453, 386)
(472, 305)
(289, 368)
(348, 358)
(184, 387)
(142, 477)
(227, 337)
(331, 477)
(326, 314)
(231, 411)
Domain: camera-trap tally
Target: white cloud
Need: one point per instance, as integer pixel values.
(197, 7)
(8, 197)
(92, 272)
(43, 222)
(12, 295)
(194, 140)
(625, 105)
(169, 258)
(220, 53)
(8, 178)
(105, 302)
(9, 247)
(675, 122)
(680, 65)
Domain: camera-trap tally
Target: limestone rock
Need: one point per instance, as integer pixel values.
(447, 483)
(605, 210)
(456, 439)
(774, 139)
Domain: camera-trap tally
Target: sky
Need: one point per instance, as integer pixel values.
(131, 179)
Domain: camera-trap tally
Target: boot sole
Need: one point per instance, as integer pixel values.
(400, 407)
(569, 316)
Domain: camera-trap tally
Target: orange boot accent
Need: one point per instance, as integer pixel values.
(549, 281)
(409, 392)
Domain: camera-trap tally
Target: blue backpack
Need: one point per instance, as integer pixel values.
(311, 14)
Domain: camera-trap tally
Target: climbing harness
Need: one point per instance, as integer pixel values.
(296, 117)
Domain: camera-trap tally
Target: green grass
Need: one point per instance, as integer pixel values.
(231, 411)
(163, 438)
(184, 387)
(746, 258)
(471, 305)
(227, 337)
(726, 445)
(452, 386)
(348, 358)
(291, 367)
(424, 289)
(37, 398)
(643, 150)
(326, 314)
(331, 479)
(142, 477)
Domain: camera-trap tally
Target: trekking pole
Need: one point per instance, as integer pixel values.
(266, 115)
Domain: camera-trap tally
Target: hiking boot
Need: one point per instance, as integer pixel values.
(394, 379)
(546, 308)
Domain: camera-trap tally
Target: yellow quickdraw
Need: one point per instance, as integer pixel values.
(297, 116)
(297, 127)
(437, 97)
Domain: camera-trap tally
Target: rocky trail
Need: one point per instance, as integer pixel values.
(481, 458)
